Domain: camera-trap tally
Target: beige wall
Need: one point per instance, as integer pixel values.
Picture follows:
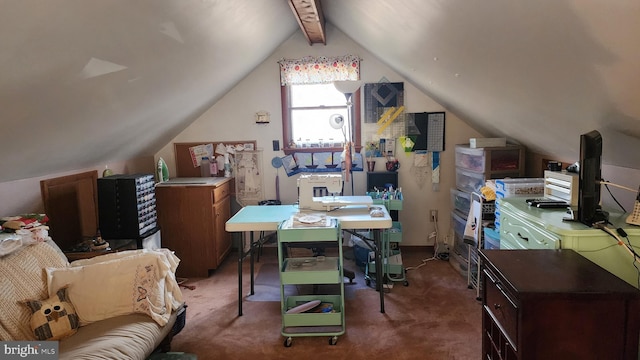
(232, 118)
(23, 196)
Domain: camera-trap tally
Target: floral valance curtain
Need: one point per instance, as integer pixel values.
(320, 70)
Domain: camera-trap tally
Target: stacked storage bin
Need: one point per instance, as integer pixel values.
(474, 166)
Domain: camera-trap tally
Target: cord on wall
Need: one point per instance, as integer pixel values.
(433, 235)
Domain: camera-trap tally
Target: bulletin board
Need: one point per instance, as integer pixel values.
(184, 164)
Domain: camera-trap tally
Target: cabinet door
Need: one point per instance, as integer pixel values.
(222, 213)
(186, 220)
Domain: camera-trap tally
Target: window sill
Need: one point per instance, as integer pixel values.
(290, 151)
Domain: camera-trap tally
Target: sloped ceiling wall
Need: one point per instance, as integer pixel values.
(538, 72)
(87, 82)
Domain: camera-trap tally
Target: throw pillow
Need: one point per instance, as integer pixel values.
(54, 318)
(134, 281)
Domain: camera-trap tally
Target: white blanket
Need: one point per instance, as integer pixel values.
(135, 281)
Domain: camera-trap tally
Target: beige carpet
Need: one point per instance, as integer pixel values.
(435, 317)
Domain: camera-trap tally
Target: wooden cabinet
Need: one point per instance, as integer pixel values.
(555, 304)
(192, 213)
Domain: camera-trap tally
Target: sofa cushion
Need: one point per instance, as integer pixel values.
(53, 318)
(22, 277)
(135, 281)
(123, 337)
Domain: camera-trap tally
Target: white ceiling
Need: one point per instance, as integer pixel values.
(538, 72)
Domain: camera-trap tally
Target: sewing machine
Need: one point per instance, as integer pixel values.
(331, 184)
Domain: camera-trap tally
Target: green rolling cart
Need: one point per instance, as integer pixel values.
(327, 317)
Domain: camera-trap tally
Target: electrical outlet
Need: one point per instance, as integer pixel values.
(434, 215)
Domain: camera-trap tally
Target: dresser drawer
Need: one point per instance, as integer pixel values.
(500, 304)
(221, 192)
(525, 234)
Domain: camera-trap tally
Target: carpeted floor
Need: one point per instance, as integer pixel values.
(435, 317)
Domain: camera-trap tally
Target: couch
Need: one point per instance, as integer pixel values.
(120, 331)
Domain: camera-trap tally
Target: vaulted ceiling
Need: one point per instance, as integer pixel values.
(537, 72)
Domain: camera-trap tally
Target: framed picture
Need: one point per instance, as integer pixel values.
(263, 117)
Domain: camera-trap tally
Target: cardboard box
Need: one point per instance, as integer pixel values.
(487, 142)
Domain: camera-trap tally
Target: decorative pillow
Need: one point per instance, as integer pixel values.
(134, 281)
(54, 318)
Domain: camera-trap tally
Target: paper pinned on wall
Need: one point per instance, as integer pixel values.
(421, 159)
(435, 172)
(200, 151)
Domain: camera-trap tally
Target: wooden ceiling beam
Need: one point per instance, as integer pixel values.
(309, 15)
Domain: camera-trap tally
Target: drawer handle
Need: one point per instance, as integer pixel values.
(523, 237)
(497, 306)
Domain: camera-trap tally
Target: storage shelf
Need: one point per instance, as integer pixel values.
(309, 270)
(307, 319)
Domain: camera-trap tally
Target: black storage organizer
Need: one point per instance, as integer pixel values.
(379, 180)
(127, 207)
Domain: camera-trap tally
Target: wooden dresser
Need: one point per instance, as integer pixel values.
(192, 213)
(555, 304)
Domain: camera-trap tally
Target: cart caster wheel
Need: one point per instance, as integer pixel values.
(368, 282)
(333, 340)
(287, 342)
(406, 283)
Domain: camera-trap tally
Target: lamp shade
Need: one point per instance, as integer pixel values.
(347, 86)
(336, 121)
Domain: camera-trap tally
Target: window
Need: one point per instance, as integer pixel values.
(309, 98)
(306, 110)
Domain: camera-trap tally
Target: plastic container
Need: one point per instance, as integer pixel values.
(470, 159)
(205, 167)
(491, 238)
(531, 187)
(469, 181)
(460, 200)
(460, 248)
(489, 159)
(458, 222)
